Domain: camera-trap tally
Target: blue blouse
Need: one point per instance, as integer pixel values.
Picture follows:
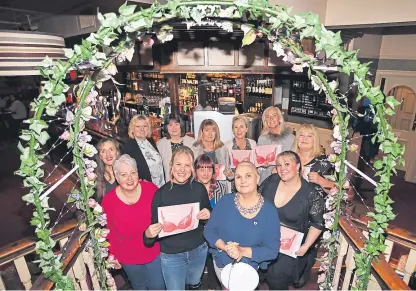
(261, 233)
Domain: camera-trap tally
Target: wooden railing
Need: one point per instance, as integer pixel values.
(75, 260)
(397, 238)
(351, 240)
(78, 263)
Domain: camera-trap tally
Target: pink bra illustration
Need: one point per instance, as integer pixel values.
(183, 223)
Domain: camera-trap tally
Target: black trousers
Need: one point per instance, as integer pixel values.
(285, 271)
(213, 282)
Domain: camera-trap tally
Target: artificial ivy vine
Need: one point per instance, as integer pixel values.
(285, 32)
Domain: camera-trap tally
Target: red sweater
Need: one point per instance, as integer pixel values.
(127, 224)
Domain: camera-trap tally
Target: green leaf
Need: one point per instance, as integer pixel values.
(392, 102)
(51, 111)
(58, 99)
(127, 10)
(29, 198)
(249, 37)
(196, 15)
(389, 111)
(38, 125)
(77, 49)
(43, 137)
(68, 52)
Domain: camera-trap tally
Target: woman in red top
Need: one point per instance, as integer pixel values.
(128, 209)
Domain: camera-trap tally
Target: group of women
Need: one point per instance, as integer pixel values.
(135, 180)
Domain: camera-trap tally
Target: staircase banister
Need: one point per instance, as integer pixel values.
(396, 234)
(73, 249)
(380, 268)
(26, 245)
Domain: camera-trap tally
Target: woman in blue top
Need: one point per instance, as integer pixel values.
(243, 226)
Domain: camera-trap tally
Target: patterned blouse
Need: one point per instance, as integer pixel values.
(323, 167)
(175, 146)
(154, 162)
(236, 147)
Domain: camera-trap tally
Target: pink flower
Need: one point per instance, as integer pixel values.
(111, 259)
(334, 112)
(148, 41)
(92, 203)
(336, 145)
(353, 147)
(346, 185)
(298, 68)
(82, 227)
(65, 136)
(333, 191)
(105, 232)
(91, 176)
(323, 267)
(91, 98)
(321, 278)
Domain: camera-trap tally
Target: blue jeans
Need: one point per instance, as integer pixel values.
(184, 268)
(145, 277)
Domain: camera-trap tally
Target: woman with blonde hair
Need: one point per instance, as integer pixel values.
(315, 166)
(274, 132)
(142, 148)
(314, 163)
(183, 255)
(209, 143)
(240, 141)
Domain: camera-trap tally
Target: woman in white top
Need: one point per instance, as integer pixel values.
(175, 138)
(240, 142)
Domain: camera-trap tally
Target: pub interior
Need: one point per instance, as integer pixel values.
(205, 73)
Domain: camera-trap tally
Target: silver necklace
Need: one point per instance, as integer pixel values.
(250, 210)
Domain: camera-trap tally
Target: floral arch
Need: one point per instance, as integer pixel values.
(257, 18)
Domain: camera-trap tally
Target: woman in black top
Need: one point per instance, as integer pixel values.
(315, 167)
(142, 148)
(300, 208)
(183, 255)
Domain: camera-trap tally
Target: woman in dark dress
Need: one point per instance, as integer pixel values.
(301, 208)
(315, 167)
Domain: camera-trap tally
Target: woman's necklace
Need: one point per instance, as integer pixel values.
(125, 196)
(250, 210)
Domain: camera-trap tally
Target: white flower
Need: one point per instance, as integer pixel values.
(333, 85)
(336, 145)
(89, 150)
(336, 134)
(289, 58)
(70, 117)
(98, 209)
(330, 203)
(278, 48)
(316, 83)
(297, 68)
(111, 70)
(227, 26)
(189, 24)
(327, 235)
(83, 138)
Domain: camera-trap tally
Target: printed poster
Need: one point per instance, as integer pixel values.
(178, 218)
(290, 241)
